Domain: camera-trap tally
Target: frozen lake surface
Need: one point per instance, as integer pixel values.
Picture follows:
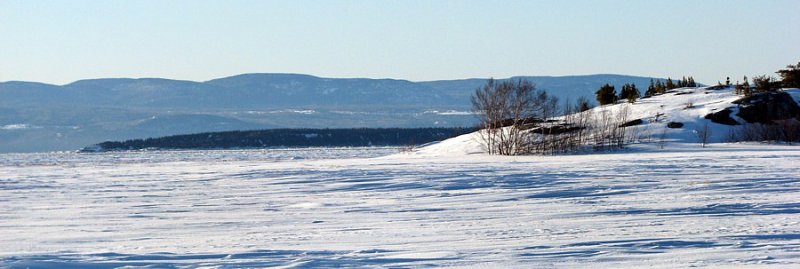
(730, 205)
(157, 156)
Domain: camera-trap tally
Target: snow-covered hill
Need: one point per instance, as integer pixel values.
(687, 107)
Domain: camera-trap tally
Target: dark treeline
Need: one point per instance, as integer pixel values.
(273, 138)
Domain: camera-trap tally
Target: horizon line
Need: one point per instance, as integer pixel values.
(326, 77)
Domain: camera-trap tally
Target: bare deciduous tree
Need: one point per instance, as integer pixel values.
(703, 133)
(662, 138)
(504, 108)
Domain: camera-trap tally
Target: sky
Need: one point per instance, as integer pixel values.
(59, 42)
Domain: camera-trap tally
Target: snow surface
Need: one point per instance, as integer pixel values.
(728, 205)
(443, 205)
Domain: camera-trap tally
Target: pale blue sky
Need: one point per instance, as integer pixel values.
(62, 41)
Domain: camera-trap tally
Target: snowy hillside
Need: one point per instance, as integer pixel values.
(687, 107)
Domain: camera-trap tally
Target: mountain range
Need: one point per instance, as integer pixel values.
(43, 117)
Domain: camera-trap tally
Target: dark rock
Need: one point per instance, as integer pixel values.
(722, 117)
(556, 130)
(632, 123)
(768, 107)
(717, 88)
(675, 125)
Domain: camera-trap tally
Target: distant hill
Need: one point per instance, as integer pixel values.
(43, 117)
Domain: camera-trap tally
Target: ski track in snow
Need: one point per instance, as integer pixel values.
(730, 205)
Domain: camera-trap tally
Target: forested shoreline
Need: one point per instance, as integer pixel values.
(288, 138)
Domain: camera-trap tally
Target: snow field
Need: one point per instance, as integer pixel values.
(728, 205)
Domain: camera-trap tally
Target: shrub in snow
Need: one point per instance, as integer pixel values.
(674, 125)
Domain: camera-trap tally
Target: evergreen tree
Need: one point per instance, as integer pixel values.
(623, 93)
(651, 89)
(606, 95)
(629, 92)
(660, 88)
(790, 77)
(670, 84)
(746, 87)
(691, 82)
(634, 93)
